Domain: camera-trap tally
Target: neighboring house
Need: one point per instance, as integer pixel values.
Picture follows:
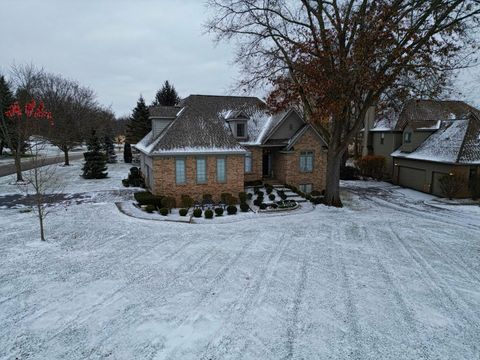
(214, 144)
(427, 140)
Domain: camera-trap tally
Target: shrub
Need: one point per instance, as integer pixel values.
(183, 212)
(349, 173)
(208, 214)
(249, 196)
(232, 201)
(271, 197)
(282, 194)
(274, 206)
(260, 193)
(231, 210)
(257, 188)
(150, 208)
(219, 211)
(225, 197)
(187, 201)
(451, 184)
(169, 202)
(268, 190)
(244, 207)
(207, 197)
(257, 202)
(253, 183)
(317, 200)
(263, 206)
(242, 196)
(197, 213)
(316, 193)
(475, 188)
(372, 166)
(163, 211)
(301, 193)
(125, 183)
(147, 198)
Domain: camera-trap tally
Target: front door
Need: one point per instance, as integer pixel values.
(267, 163)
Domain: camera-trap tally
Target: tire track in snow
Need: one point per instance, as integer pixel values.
(436, 281)
(251, 295)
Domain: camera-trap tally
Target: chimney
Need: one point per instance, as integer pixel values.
(368, 125)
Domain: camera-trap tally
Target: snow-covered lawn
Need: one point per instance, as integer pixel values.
(386, 277)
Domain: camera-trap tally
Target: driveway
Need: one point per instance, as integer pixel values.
(386, 277)
(8, 169)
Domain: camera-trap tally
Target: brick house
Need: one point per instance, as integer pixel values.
(214, 144)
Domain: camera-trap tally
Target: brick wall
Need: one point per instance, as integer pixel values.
(287, 164)
(257, 160)
(164, 177)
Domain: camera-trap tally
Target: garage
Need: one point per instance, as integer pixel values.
(436, 189)
(411, 178)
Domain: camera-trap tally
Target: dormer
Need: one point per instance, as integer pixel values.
(238, 122)
(162, 117)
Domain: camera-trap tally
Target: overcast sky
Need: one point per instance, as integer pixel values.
(124, 48)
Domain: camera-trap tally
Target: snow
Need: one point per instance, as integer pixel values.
(386, 277)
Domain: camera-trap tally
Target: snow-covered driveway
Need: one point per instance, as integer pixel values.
(386, 277)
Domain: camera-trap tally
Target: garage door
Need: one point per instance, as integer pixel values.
(436, 190)
(411, 178)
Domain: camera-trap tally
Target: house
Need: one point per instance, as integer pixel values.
(214, 144)
(426, 140)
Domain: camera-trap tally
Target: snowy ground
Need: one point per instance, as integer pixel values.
(386, 277)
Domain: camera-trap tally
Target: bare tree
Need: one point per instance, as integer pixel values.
(41, 183)
(338, 58)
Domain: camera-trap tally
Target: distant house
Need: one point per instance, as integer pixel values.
(214, 144)
(426, 140)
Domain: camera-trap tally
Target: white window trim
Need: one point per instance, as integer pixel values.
(184, 171)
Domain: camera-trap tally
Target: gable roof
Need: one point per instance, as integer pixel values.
(198, 126)
(422, 114)
(456, 141)
(165, 112)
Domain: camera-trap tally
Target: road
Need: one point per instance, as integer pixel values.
(8, 169)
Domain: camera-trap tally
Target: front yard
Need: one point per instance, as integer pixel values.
(390, 276)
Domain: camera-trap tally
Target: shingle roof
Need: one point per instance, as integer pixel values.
(456, 141)
(423, 114)
(164, 111)
(200, 127)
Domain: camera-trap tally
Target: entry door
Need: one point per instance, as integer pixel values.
(267, 163)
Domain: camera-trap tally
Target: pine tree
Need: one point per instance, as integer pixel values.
(139, 124)
(109, 149)
(6, 99)
(95, 160)
(166, 96)
(127, 153)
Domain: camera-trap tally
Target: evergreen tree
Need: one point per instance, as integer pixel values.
(139, 124)
(127, 153)
(166, 96)
(109, 148)
(6, 99)
(95, 160)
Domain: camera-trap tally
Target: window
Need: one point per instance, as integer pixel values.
(306, 161)
(201, 170)
(382, 138)
(306, 188)
(408, 138)
(248, 162)
(221, 170)
(180, 177)
(240, 130)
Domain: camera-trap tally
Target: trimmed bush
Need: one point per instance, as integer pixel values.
(183, 212)
(316, 193)
(169, 203)
(282, 194)
(257, 202)
(274, 206)
(263, 206)
(207, 197)
(225, 197)
(219, 211)
(150, 208)
(231, 210)
(372, 166)
(317, 200)
(253, 183)
(208, 214)
(268, 190)
(249, 196)
(232, 201)
(260, 193)
(163, 211)
(244, 207)
(242, 196)
(186, 201)
(271, 197)
(147, 198)
(197, 213)
(125, 183)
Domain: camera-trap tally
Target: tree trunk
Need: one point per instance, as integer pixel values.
(67, 160)
(332, 188)
(40, 218)
(2, 145)
(18, 165)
